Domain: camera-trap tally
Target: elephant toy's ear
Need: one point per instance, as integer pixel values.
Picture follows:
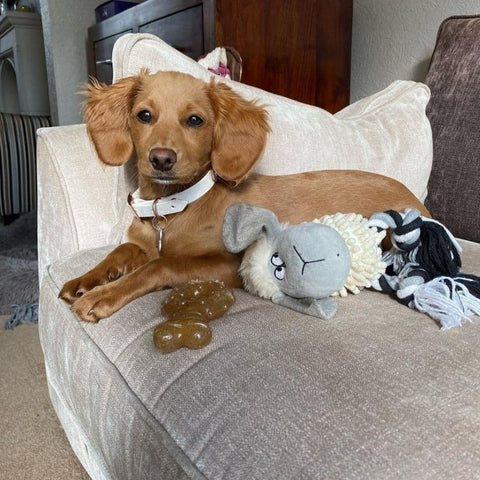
(244, 224)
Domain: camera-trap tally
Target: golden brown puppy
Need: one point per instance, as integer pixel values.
(178, 128)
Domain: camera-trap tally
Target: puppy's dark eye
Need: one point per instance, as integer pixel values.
(144, 116)
(194, 121)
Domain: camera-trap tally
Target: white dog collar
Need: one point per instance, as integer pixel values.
(172, 203)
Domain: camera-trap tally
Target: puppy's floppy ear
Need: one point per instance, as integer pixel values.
(240, 133)
(107, 114)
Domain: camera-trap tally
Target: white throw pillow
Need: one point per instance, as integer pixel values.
(386, 133)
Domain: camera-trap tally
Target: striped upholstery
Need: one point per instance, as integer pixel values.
(18, 177)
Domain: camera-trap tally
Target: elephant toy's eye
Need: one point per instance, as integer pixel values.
(276, 260)
(280, 272)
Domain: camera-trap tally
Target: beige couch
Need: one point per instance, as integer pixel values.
(378, 392)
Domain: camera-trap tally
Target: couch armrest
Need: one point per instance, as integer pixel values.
(81, 202)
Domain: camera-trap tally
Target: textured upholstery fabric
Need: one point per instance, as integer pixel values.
(386, 133)
(18, 176)
(377, 392)
(82, 203)
(454, 112)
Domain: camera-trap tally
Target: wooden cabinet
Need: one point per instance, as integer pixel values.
(187, 25)
(296, 48)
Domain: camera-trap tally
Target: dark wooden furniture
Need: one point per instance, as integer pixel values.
(296, 48)
(188, 25)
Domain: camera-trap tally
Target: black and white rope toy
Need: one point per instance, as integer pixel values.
(424, 268)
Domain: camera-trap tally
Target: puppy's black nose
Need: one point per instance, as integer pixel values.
(162, 159)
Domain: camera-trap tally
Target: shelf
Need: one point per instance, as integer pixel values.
(12, 19)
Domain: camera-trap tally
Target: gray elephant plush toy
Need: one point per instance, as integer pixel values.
(297, 266)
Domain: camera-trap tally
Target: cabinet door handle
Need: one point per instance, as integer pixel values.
(104, 62)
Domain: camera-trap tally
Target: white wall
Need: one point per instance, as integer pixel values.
(65, 24)
(394, 39)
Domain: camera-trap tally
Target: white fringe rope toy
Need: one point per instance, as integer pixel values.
(363, 242)
(424, 268)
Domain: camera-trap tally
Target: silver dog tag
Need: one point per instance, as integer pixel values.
(159, 223)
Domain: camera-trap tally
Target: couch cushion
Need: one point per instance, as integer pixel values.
(378, 392)
(386, 133)
(454, 112)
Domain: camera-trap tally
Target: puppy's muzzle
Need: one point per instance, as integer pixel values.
(162, 159)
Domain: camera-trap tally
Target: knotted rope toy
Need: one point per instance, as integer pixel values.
(424, 268)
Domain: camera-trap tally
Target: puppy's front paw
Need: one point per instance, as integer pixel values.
(95, 304)
(76, 288)
(71, 291)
